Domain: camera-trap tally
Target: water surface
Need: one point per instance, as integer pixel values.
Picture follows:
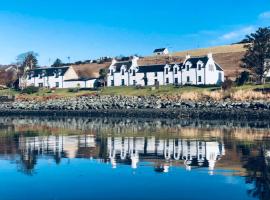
(85, 158)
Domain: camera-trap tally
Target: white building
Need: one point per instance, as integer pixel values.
(161, 51)
(80, 76)
(193, 71)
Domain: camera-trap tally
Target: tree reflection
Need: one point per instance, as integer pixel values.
(258, 170)
(27, 163)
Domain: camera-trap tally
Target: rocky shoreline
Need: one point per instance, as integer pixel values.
(148, 107)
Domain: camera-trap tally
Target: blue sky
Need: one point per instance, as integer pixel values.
(84, 29)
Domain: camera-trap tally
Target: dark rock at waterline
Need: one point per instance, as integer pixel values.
(140, 106)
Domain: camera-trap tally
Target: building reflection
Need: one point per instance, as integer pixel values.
(193, 153)
(121, 150)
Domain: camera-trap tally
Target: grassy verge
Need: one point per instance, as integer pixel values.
(245, 92)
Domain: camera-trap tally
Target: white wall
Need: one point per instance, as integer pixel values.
(46, 81)
(51, 82)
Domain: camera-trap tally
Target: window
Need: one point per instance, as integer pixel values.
(176, 81)
(175, 70)
(134, 82)
(156, 82)
(123, 72)
(167, 71)
(56, 75)
(40, 76)
(29, 76)
(187, 67)
(199, 79)
(167, 80)
(211, 67)
(188, 79)
(155, 74)
(123, 82)
(134, 73)
(111, 72)
(57, 84)
(112, 82)
(40, 85)
(199, 66)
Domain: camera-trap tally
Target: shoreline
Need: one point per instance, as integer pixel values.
(140, 107)
(188, 113)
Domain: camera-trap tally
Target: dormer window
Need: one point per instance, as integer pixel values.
(134, 73)
(56, 74)
(111, 72)
(166, 70)
(187, 67)
(199, 66)
(175, 70)
(123, 72)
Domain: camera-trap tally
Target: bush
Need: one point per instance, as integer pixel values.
(243, 78)
(75, 90)
(30, 90)
(227, 85)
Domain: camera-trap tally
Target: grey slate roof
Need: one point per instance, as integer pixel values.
(194, 61)
(151, 68)
(159, 50)
(218, 67)
(118, 65)
(48, 71)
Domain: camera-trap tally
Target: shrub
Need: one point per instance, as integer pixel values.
(30, 90)
(73, 90)
(243, 78)
(227, 85)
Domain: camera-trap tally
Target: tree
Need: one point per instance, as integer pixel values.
(243, 78)
(26, 61)
(258, 51)
(22, 57)
(57, 63)
(103, 76)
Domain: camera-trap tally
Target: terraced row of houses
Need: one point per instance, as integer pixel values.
(192, 71)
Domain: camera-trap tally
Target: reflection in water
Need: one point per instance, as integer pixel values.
(123, 150)
(194, 153)
(163, 146)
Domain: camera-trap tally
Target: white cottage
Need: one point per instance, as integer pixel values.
(45, 77)
(193, 71)
(161, 51)
(78, 76)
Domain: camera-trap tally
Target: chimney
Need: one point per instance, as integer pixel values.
(114, 61)
(135, 60)
(188, 56)
(210, 55)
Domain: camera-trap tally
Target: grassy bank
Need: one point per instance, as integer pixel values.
(246, 92)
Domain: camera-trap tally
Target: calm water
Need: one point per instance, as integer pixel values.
(82, 158)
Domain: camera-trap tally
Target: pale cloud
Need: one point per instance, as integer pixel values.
(265, 15)
(237, 34)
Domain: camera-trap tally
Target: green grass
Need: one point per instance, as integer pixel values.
(252, 86)
(131, 91)
(163, 90)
